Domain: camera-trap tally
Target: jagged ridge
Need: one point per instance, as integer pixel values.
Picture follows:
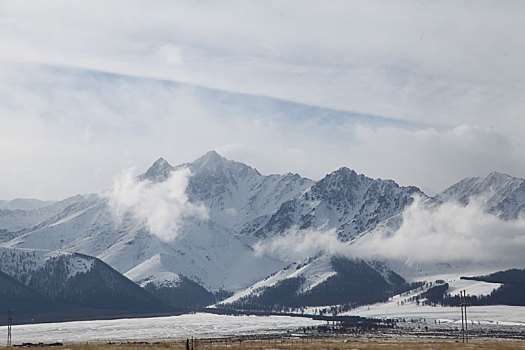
(244, 207)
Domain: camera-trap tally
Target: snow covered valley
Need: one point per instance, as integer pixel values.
(199, 325)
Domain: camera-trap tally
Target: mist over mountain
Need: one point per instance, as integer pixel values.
(502, 194)
(192, 234)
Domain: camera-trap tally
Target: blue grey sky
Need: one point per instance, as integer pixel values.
(422, 92)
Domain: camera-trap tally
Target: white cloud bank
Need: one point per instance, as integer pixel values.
(449, 232)
(160, 206)
(297, 244)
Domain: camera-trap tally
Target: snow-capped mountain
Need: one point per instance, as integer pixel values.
(209, 252)
(204, 251)
(343, 200)
(216, 253)
(239, 197)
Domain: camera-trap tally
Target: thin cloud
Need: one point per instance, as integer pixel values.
(296, 244)
(78, 103)
(72, 131)
(426, 61)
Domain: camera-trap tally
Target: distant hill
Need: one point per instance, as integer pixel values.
(46, 285)
(321, 281)
(511, 292)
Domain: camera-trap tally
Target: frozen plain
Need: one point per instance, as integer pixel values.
(156, 329)
(485, 315)
(401, 306)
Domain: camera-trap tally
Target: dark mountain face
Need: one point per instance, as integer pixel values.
(511, 291)
(356, 282)
(63, 285)
(512, 276)
(98, 287)
(18, 298)
(187, 295)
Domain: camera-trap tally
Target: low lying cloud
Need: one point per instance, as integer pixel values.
(297, 244)
(446, 233)
(160, 206)
(449, 232)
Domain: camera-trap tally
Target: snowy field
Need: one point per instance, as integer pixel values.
(400, 306)
(403, 306)
(155, 329)
(485, 315)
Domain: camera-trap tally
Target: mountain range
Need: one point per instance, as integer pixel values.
(80, 253)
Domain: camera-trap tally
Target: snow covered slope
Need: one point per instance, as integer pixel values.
(501, 194)
(239, 197)
(313, 272)
(320, 280)
(155, 329)
(25, 204)
(203, 251)
(22, 216)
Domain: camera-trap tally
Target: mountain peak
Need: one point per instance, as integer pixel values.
(210, 157)
(344, 170)
(161, 162)
(159, 171)
(343, 174)
(497, 175)
(213, 161)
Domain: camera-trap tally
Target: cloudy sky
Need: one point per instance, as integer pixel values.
(422, 92)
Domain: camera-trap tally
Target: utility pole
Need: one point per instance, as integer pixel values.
(462, 317)
(9, 323)
(464, 323)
